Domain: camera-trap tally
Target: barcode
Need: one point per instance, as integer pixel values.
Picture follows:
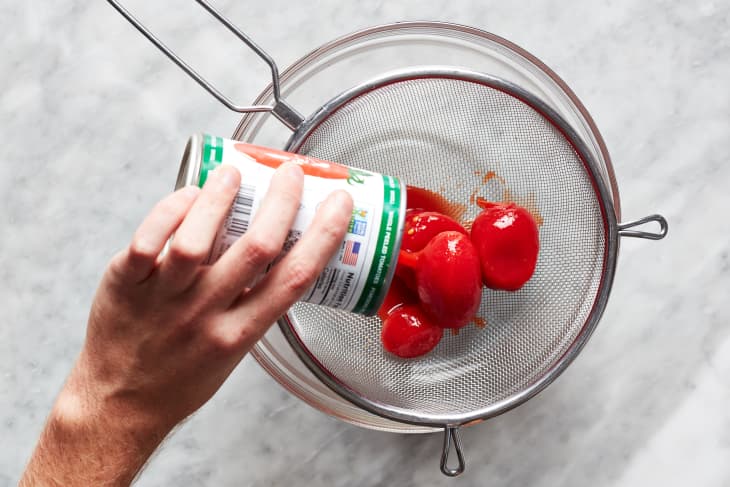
(240, 215)
(292, 238)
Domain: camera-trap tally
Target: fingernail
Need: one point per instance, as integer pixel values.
(342, 199)
(292, 169)
(227, 176)
(191, 191)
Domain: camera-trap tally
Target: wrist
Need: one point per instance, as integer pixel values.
(89, 440)
(86, 403)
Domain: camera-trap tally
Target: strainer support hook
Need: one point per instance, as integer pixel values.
(280, 109)
(451, 434)
(624, 229)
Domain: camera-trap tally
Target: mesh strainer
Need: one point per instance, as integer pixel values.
(444, 129)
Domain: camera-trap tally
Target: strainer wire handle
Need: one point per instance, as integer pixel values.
(280, 109)
(451, 434)
(624, 228)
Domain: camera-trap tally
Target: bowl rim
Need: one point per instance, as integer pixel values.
(433, 28)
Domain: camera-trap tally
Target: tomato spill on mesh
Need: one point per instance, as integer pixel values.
(480, 322)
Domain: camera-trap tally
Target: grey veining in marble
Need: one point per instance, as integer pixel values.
(92, 119)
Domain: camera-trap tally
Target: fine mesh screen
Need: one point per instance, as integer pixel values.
(447, 135)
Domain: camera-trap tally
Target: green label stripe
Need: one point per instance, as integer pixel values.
(212, 156)
(375, 289)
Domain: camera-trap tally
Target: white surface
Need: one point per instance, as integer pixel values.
(93, 124)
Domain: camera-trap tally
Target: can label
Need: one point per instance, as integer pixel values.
(358, 276)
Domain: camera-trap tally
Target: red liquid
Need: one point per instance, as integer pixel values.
(423, 199)
(398, 295)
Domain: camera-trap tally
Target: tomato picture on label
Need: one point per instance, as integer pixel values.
(311, 166)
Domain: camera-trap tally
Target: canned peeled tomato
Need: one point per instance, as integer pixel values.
(357, 278)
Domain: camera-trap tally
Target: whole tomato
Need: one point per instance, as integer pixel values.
(408, 332)
(419, 229)
(421, 226)
(448, 279)
(507, 240)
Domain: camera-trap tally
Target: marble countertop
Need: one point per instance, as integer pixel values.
(92, 120)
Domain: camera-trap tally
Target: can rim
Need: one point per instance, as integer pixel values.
(189, 172)
(396, 250)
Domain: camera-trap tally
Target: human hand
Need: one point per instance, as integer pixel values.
(164, 332)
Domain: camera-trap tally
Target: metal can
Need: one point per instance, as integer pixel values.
(357, 278)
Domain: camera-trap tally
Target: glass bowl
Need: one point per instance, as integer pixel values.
(353, 59)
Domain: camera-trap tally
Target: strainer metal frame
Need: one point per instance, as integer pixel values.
(302, 127)
(288, 322)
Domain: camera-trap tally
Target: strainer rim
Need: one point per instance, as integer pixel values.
(287, 322)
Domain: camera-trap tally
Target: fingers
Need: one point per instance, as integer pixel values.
(289, 279)
(138, 260)
(193, 240)
(264, 239)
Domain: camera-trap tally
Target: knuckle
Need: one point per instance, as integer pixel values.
(186, 252)
(141, 249)
(331, 233)
(300, 275)
(218, 197)
(118, 260)
(169, 208)
(224, 341)
(261, 250)
(118, 264)
(214, 203)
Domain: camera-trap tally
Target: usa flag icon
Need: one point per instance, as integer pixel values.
(352, 249)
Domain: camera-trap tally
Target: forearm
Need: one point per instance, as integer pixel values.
(90, 442)
(166, 328)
